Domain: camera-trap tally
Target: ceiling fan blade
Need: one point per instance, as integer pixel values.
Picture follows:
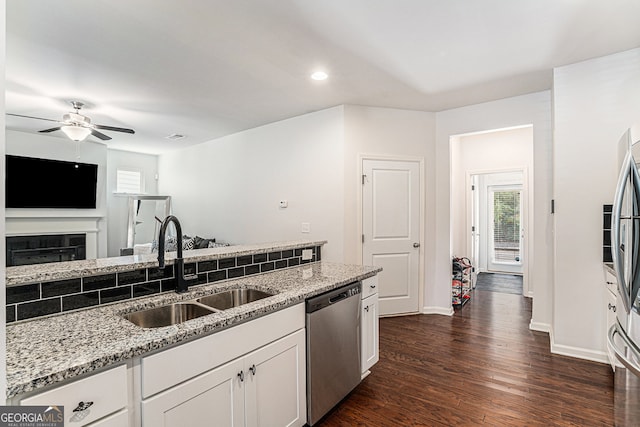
(100, 135)
(31, 117)
(103, 127)
(49, 130)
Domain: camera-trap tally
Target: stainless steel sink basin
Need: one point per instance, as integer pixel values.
(233, 298)
(167, 315)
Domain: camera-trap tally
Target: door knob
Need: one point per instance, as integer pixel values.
(416, 245)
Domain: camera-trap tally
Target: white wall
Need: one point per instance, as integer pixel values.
(50, 147)
(534, 109)
(229, 188)
(594, 103)
(395, 133)
(507, 149)
(117, 210)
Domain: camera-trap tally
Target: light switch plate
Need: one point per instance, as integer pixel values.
(306, 227)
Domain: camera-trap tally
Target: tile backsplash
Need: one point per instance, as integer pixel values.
(41, 299)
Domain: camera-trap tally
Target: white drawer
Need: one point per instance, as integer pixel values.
(611, 282)
(369, 286)
(121, 419)
(107, 390)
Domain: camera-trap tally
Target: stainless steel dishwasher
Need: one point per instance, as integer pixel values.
(333, 348)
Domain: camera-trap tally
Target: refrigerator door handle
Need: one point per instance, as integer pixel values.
(629, 364)
(634, 284)
(626, 173)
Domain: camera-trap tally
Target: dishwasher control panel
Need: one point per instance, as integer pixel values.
(332, 297)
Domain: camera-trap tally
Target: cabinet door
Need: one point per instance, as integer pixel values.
(120, 419)
(215, 398)
(369, 333)
(276, 383)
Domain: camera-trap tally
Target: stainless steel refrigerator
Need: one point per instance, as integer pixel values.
(624, 335)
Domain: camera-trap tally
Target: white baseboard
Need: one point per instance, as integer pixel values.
(445, 311)
(577, 352)
(540, 327)
(580, 353)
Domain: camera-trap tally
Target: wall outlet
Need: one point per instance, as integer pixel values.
(307, 254)
(283, 204)
(306, 227)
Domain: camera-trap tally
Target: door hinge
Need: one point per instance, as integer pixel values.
(363, 238)
(363, 178)
(473, 228)
(473, 187)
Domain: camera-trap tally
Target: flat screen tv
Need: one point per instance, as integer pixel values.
(54, 184)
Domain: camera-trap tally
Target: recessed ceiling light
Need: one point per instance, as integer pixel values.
(319, 75)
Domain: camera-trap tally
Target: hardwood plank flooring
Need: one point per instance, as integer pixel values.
(481, 366)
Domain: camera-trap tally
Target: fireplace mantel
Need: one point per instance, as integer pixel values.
(37, 224)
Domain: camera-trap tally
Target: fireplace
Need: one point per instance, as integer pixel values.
(24, 250)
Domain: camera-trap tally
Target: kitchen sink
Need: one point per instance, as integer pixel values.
(167, 315)
(233, 298)
(179, 312)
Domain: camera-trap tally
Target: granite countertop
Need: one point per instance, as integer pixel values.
(71, 269)
(51, 349)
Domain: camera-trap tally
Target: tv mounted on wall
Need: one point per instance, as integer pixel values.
(44, 183)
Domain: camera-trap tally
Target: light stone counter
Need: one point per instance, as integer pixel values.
(44, 351)
(92, 267)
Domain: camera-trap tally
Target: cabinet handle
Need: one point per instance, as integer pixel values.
(366, 309)
(612, 307)
(416, 245)
(610, 283)
(253, 369)
(241, 376)
(83, 406)
(372, 286)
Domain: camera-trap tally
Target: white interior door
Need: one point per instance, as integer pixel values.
(475, 222)
(391, 231)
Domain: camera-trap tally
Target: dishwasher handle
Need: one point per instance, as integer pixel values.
(337, 298)
(333, 296)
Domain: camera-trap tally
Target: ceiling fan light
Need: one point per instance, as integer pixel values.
(76, 133)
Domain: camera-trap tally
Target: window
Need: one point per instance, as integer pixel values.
(129, 181)
(506, 226)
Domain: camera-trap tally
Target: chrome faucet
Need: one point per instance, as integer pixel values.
(182, 280)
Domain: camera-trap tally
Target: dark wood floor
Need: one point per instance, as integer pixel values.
(481, 366)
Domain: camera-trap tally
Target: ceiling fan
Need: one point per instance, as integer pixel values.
(77, 126)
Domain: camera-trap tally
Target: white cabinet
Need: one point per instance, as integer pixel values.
(101, 394)
(263, 388)
(211, 399)
(612, 293)
(369, 330)
(250, 375)
(120, 419)
(275, 383)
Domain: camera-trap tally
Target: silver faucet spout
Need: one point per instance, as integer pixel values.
(182, 284)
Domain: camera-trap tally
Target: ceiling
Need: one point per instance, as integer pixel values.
(205, 69)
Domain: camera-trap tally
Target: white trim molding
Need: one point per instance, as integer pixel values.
(445, 311)
(32, 226)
